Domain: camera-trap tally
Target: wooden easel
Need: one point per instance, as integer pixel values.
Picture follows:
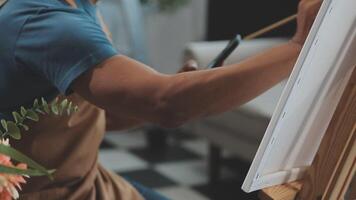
(334, 166)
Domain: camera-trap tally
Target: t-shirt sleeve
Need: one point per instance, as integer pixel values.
(61, 45)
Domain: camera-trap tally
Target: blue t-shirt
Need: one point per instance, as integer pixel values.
(44, 46)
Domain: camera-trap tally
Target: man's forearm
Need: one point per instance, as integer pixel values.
(118, 123)
(191, 95)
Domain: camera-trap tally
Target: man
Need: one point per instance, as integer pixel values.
(57, 47)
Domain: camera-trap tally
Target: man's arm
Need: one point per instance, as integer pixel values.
(116, 122)
(121, 85)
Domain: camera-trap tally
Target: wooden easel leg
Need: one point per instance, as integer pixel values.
(331, 170)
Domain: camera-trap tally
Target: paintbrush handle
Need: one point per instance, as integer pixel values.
(270, 27)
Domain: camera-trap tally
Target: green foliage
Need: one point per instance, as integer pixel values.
(166, 5)
(13, 128)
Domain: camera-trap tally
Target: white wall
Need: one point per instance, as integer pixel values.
(168, 33)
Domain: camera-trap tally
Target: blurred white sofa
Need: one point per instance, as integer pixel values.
(240, 130)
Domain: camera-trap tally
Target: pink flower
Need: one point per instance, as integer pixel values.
(9, 183)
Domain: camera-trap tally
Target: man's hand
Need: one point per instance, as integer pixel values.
(307, 11)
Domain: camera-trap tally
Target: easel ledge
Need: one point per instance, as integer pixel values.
(334, 166)
(282, 192)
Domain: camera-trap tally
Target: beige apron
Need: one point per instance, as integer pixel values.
(70, 145)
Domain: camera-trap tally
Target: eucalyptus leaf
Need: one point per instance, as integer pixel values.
(54, 109)
(23, 111)
(24, 126)
(36, 104)
(32, 115)
(69, 108)
(18, 118)
(63, 106)
(4, 124)
(40, 111)
(55, 100)
(45, 105)
(13, 130)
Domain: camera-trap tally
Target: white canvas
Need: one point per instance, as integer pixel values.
(309, 100)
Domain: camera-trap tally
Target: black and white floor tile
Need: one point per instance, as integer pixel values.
(178, 170)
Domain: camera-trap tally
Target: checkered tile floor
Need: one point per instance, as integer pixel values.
(178, 171)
